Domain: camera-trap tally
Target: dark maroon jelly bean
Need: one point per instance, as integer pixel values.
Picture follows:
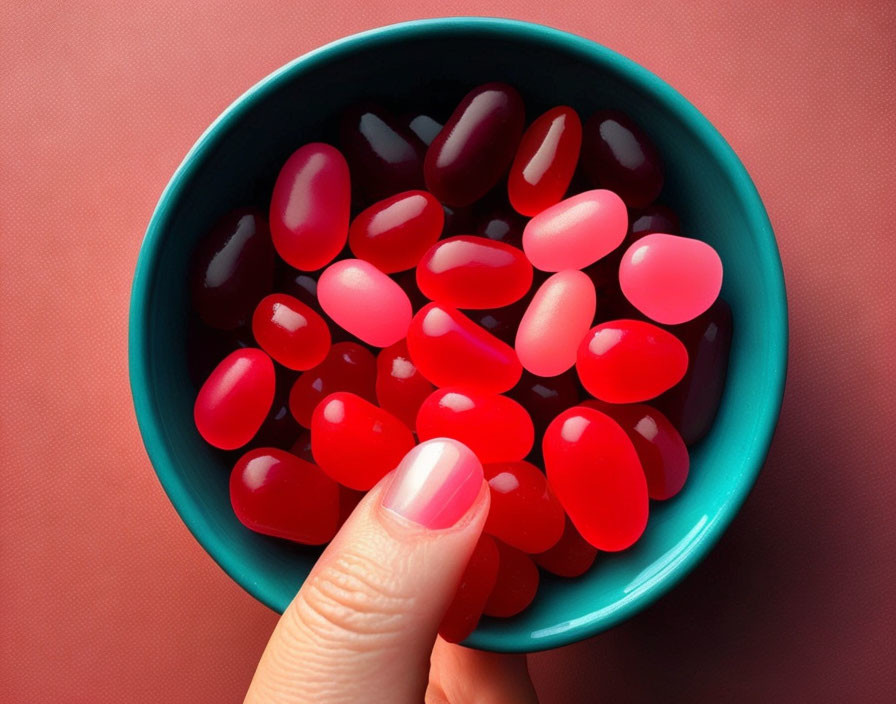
(503, 322)
(546, 397)
(616, 154)
(279, 429)
(692, 404)
(233, 268)
(458, 221)
(653, 218)
(408, 281)
(476, 146)
(502, 225)
(298, 284)
(422, 125)
(206, 347)
(384, 156)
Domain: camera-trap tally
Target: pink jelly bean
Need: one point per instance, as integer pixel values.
(554, 324)
(364, 301)
(670, 279)
(310, 207)
(576, 232)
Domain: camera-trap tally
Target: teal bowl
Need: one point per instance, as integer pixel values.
(235, 163)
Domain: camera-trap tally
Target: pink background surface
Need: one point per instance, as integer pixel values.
(105, 595)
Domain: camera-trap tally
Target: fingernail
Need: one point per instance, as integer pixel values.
(435, 484)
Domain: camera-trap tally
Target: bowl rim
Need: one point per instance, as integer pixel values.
(145, 402)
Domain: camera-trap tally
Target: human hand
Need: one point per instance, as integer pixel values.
(363, 628)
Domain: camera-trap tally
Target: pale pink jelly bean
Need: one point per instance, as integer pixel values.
(363, 300)
(576, 232)
(556, 321)
(670, 279)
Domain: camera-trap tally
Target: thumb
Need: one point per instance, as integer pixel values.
(362, 627)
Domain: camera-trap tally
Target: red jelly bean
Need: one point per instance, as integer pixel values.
(400, 387)
(660, 449)
(348, 500)
(310, 207)
(692, 404)
(425, 127)
(594, 470)
(502, 224)
(393, 234)
(384, 155)
(616, 154)
(233, 267)
(348, 367)
(355, 442)
(301, 448)
(235, 399)
(572, 556)
(546, 398)
(291, 332)
(628, 361)
(449, 349)
(653, 218)
(516, 584)
(475, 148)
(276, 493)
(524, 512)
(545, 161)
(476, 584)
(474, 272)
(495, 427)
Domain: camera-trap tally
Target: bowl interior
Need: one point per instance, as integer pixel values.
(426, 65)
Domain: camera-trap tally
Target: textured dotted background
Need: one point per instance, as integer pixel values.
(105, 595)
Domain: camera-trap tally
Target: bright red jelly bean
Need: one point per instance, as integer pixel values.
(524, 512)
(355, 442)
(545, 161)
(233, 267)
(616, 154)
(653, 218)
(572, 556)
(628, 361)
(594, 470)
(516, 584)
(474, 272)
(276, 493)
(347, 367)
(384, 155)
(692, 404)
(495, 427)
(310, 207)
(291, 332)
(475, 148)
(546, 398)
(235, 399)
(449, 349)
(476, 584)
(400, 387)
(394, 233)
(660, 449)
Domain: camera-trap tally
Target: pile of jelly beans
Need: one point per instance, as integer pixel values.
(516, 288)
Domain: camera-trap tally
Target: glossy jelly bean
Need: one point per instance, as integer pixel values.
(355, 442)
(476, 583)
(449, 349)
(348, 501)
(502, 322)
(576, 232)
(692, 404)
(310, 207)
(502, 224)
(233, 267)
(670, 279)
(474, 272)
(616, 154)
(299, 285)
(572, 556)
(235, 399)
(394, 233)
(384, 155)
(458, 221)
(207, 346)
(524, 512)
(545, 399)
(496, 428)
(654, 218)
(594, 470)
(347, 367)
(290, 332)
(301, 448)
(364, 301)
(408, 282)
(555, 323)
(276, 493)
(545, 161)
(425, 127)
(400, 387)
(628, 361)
(475, 148)
(279, 428)
(516, 584)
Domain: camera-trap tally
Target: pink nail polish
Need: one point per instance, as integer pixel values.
(435, 484)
